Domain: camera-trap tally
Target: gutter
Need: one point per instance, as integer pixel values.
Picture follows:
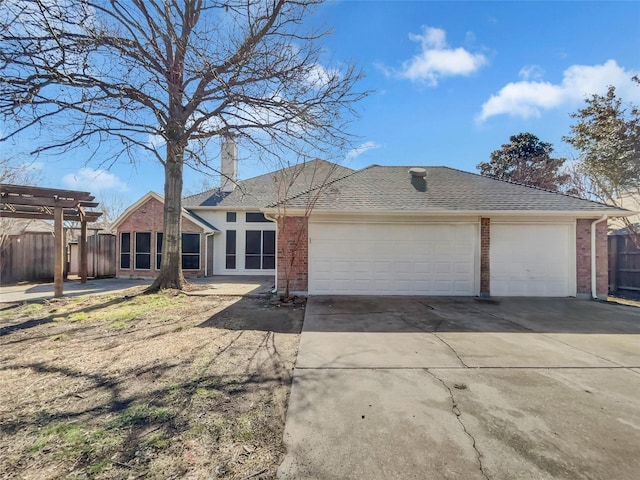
(594, 294)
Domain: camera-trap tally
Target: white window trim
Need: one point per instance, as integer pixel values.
(126, 253)
(135, 251)
(193, 254)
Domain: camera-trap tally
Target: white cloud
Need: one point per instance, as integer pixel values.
(91, 180)
(528, 98)
(529, 72)
(436, 59)
(360, 149)
(319, 76)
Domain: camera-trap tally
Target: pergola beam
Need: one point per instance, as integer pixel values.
(19, 201)
(45, 192)
(68, 216)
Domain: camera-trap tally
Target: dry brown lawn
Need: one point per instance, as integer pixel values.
(130, 386)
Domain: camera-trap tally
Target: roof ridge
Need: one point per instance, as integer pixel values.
(309, 190)
(534, 187)
(267, 174)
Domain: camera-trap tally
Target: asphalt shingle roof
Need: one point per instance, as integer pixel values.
(262, 190)
(444, 189)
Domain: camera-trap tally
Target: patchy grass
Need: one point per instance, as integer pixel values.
(145, 386)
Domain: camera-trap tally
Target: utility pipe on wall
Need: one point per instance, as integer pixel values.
(274, 219)
(594, 283)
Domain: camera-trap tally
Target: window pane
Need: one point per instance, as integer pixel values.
(125, 242)
(143, 261)
(269, 242)
(231, 262)
(190, 243)
(252, 262)
(256, 217)
(190, 262)
(158, 260)
(231, 242)
(231, 217)
(254, 240)
(143, 242)
(159, 242)
(269, 262)
(125, 260)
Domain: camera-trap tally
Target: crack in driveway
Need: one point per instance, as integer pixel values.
(458, 414)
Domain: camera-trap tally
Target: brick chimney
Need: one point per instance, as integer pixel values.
(228, 165)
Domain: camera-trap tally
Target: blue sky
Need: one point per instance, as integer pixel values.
(450, 81)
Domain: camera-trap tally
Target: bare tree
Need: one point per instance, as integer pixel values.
(162, 77)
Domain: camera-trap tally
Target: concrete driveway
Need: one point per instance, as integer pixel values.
(438, 388)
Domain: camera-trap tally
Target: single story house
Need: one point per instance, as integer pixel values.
(322, 229)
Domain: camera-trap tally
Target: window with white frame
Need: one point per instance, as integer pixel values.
(260, 250)
(125, 250)
(158, 250)
(190, 251)
(143, 251)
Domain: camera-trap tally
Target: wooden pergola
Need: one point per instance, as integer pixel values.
(20, 201)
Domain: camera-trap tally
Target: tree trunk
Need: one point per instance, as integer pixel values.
(170, 275)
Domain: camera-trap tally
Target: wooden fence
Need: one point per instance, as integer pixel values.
(101, 256)
(624, 265)
(27, 257)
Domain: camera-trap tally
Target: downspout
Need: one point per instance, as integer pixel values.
(274, 219)
(594, 283)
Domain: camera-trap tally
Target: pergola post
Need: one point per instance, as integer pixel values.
(83, 251)
(24, 201)
(58, 269)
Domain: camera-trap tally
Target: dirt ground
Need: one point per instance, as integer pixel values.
(131, 386)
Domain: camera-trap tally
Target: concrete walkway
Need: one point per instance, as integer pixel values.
(218, 285)
(442, 388)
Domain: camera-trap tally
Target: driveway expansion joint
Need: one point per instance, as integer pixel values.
(458, 414)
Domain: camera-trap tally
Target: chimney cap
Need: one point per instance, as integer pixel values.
(418, 172)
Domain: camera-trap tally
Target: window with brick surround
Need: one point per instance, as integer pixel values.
(143, 251)
(158, 250)
(125, 250)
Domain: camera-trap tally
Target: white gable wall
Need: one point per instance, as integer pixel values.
(240, 226)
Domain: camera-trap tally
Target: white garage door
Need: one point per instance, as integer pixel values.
(533, 260)
(392, 259)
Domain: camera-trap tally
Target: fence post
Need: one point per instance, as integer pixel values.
(58, 255)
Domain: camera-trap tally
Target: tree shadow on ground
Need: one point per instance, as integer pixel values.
(258, 314)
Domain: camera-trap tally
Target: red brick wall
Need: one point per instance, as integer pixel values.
(148, 217)
(485, 244)
(293, 254)
(583, 257)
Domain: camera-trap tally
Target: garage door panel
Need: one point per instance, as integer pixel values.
(436, 259)
(532, 260)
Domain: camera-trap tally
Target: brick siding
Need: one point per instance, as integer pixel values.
(485, 245)
(149, 218)
(583, 257)
(293, 254)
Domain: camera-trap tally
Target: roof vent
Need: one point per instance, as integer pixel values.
(417, 172)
